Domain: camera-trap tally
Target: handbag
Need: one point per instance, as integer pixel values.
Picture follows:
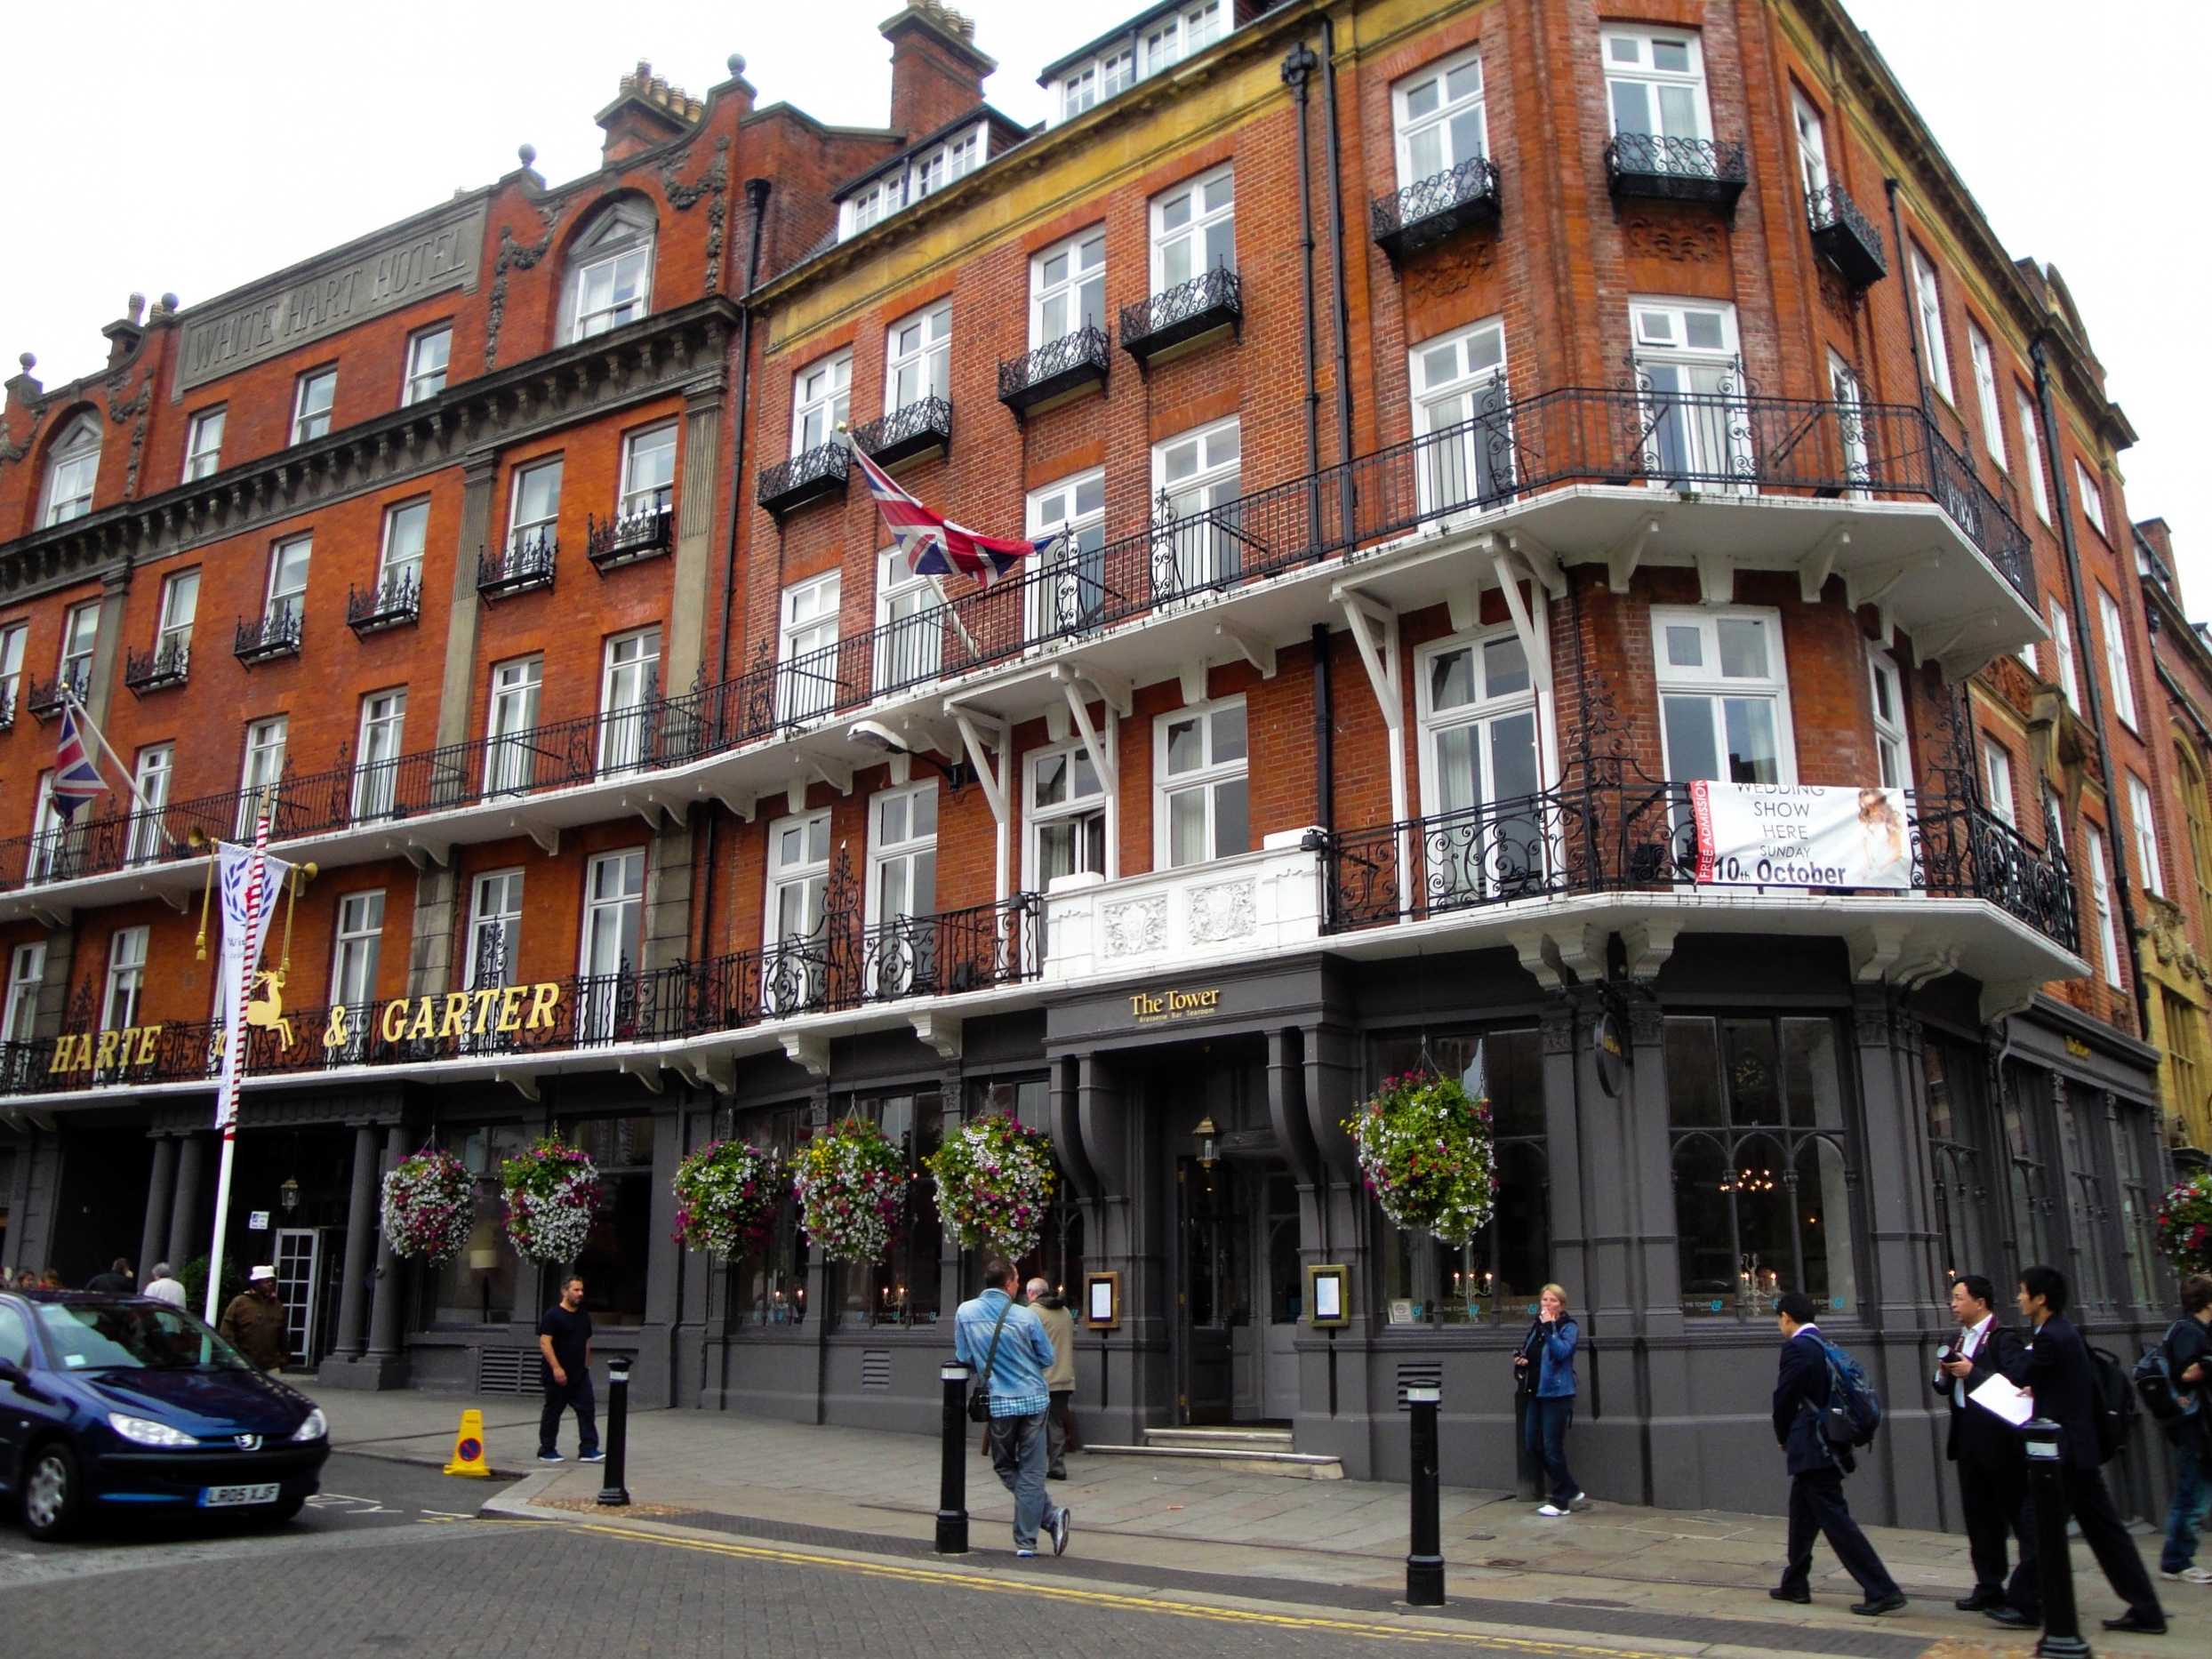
(979, 1398)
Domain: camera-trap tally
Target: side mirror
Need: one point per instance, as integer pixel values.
(11, 1372)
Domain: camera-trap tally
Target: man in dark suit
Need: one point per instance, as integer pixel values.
(1816, 1504)
(2055, 1367)
(1992, 1457)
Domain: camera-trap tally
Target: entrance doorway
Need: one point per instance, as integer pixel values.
(299, 1283)
(1243, 1288)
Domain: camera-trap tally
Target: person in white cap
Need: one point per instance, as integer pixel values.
(254, 1322)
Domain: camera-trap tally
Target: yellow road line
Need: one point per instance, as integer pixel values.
(1108, 1599)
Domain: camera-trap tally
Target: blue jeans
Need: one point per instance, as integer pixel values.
(1018, 1454)
(2192, 1497)
(1547, 1438)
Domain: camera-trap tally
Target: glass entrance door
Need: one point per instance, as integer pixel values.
(1243, 1291)
(299, 1252)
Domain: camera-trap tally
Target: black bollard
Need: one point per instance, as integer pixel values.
(614, 1492)
(2054, 1563)
(952, 1483)
(1425, 1561)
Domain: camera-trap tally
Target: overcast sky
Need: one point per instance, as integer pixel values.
(162, 152)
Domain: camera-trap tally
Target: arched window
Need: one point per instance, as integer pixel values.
(71, 466)
(610, 271)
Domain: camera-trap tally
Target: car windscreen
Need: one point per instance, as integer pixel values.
(133, 1336)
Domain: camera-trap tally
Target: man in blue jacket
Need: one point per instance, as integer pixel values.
(1007, 1346)
(2056, 1369)
(1816, 1503)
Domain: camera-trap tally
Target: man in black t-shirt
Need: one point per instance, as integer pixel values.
(565, 1340)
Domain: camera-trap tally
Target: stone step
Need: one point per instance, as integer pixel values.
(1227, 1449)
(1223, 1437)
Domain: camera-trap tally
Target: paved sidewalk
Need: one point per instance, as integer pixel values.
(790, 1480)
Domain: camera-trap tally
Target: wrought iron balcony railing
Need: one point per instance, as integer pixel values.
(842, 967)
(1645, 165)
(1844, 237)
(1210, 301)
(393, 602)
(1433, 209)
(45, 697)
(167, 664)
(921, 428)
(522, 565)
(273, 634)
(1615, 831)
(1057, 369)
(812, 474)
(629, 537)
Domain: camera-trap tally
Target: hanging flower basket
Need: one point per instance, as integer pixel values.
(725, 1192)
(552, 1196)
(2185, 1225)
(849, 1182)
(1425, 1150)
(994, 1181)
(429, 1207)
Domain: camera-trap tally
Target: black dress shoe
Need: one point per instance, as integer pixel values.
(1980, 1601)
(1889, 1603)
(2133, 1621)
(2005, 1614)
(1790, 1592)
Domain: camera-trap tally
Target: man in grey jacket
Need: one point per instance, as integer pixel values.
(1059, 1325)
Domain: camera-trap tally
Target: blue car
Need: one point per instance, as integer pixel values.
(120, 1405)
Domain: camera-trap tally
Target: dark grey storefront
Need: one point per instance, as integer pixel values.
(1781, 1125)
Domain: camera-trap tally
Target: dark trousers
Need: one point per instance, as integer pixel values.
(1818, 1509)
(2106, 1534)
(558, 1397)
(1547, 1439)
(1993, 1501)
(1056, 1432)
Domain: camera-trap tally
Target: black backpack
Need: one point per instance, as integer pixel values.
(2115, 1399)
(2156, 1386)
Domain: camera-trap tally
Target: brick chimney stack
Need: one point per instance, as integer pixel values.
(936, 72)
(647, 111)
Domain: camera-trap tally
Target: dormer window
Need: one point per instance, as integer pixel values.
(1096, 81)
(922, 174)
(610, 271)
(1174, 38)
(71, 468)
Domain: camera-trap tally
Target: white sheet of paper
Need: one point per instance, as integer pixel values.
(2015, 1405)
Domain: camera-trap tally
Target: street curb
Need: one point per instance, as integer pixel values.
(517, 1502)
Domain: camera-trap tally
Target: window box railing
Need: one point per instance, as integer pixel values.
(392, 603)
(922, 428)
(629, 537)
(45, 697)
(521, 565)
(1618, 832)
(812, 475)
(1433, 209)
(1644, 164)
(1054, 372)
(272, 635)
(167, 664)
(1209, 302)
(1843, 237)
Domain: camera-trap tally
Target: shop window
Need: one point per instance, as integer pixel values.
(1058, 1258)
(2135, 1164)
(2029, 1203)
(616, 1253)
(480, 1287)
(905, 1288)
(768, 1286)
(1496, 1276)
(1762, 1201)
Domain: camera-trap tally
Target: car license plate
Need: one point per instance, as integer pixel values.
(228, 1498)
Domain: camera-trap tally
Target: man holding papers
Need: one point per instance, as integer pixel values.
(1992, 1457)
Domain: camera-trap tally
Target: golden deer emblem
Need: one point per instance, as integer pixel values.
(268, 1013)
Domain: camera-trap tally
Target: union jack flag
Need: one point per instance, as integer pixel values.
(76, 779)
(934, 546)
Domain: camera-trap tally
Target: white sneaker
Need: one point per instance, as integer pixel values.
(1550, 1512)
(2190, 1574)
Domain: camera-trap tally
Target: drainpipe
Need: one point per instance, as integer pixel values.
(1904, 286)
(1323, 733)
(2093, 688)
(1298, 68)
(1336, 261)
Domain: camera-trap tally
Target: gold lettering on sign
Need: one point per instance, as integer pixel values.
(337, 1034)
(117, 1049)
(456, 1021)
(510, 1008)
(542, 1000)
(393, 1024)
(1146, 1007)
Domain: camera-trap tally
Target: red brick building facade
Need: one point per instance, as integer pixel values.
(1449, 432)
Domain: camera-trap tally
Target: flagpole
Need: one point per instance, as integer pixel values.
(234, 1050)
(107, 749)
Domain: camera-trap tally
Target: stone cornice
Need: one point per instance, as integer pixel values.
(678, 350)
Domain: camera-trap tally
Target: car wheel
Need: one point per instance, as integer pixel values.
(50, 1493)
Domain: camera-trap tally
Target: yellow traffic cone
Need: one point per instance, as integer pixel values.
(469, 1448)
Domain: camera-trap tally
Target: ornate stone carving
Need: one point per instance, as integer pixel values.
(1646, 1023)
(683, 197)
(1453, 269)
(1558, 1026)
(2168, 942)
(1691, 241)
(1136, 925)
(513, 256)
(134, 409)
(1223, 911)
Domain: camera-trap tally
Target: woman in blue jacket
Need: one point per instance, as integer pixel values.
(1550, 1348)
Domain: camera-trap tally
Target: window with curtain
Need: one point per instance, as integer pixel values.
(904, 1287)
(1495, 1278)
(480, 1286)
(1762, 1167)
